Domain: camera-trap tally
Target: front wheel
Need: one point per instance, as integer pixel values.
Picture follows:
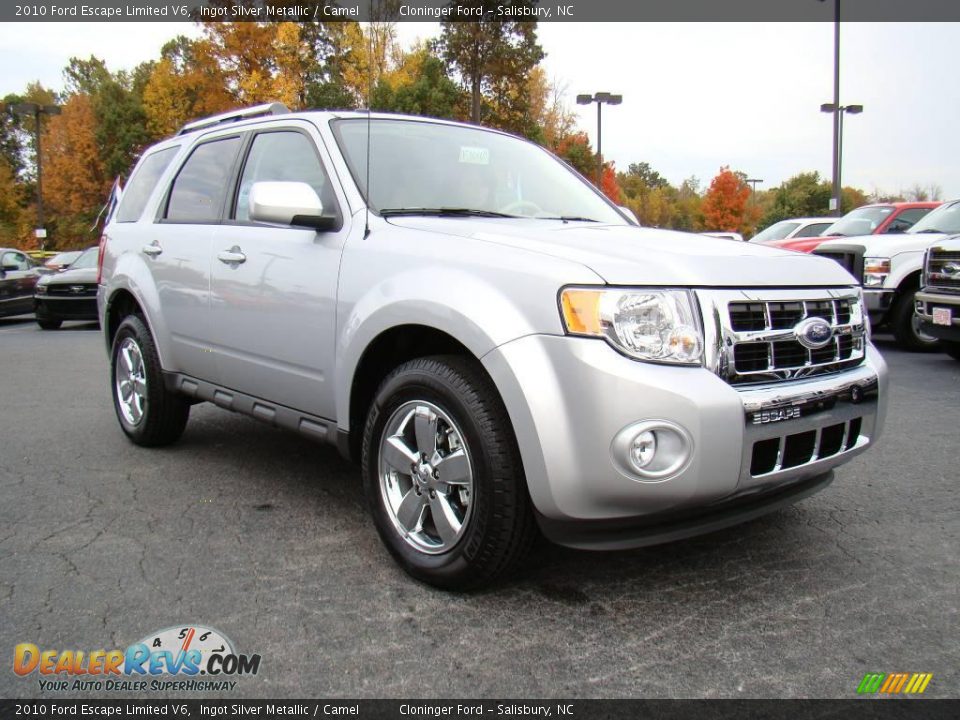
(149, 414)
(905, 324)
(442, 474)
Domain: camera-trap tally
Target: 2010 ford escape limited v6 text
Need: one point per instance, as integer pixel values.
(501, 348)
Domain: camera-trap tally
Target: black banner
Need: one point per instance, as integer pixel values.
(854, 709)
(471, 10)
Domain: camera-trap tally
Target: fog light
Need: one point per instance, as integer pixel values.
(652, 450)
(643, 448)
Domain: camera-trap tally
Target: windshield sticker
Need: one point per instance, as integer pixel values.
(474, 155)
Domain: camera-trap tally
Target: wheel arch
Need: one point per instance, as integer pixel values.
(389, 349)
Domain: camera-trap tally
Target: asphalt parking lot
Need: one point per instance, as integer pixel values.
(264, 536)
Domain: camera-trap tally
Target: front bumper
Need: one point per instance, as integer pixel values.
(927, 300)
(55, 307)
(569, 398)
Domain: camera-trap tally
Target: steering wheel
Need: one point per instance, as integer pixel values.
(518, 206)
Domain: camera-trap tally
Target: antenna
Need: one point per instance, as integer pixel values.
(366, 223)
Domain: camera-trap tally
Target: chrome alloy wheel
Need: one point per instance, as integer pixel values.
(131, 380)
(426, 478)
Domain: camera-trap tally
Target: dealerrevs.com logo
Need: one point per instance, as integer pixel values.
(189, 657)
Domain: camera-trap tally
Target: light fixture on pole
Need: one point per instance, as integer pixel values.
(753, 182)
(36, 111)
(600, 98)
(839, 111)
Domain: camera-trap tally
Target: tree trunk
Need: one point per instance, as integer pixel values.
(475, 104)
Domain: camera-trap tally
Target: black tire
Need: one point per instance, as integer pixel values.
(906, 330)
(500, 528)
(164, 414)
(48, 324)
(951, 348)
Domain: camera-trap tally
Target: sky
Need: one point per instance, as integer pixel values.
(696, 96)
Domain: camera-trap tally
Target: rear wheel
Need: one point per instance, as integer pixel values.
(149, 414)
(48, 324)
(442, 474)
(905, 324)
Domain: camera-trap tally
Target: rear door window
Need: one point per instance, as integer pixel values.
(200, 187)
(142, 183)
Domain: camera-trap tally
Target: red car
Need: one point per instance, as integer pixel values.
(879, 219)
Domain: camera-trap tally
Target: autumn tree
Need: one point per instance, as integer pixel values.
(725, 203)
(550, 114)
(117, 101)
(10, 198)
(75, 182)
(493, 57)
(609, 185)
(576, 150)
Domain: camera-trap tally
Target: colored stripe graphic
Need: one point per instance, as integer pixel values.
(894, 683)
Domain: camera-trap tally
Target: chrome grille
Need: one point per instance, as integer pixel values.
(751, 335)
(940, 268)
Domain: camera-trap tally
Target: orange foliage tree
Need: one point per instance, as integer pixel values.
(75, 183)
(725, 204)
(609, 185)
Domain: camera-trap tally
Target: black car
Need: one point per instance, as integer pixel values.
(19, 274)
(70, 294)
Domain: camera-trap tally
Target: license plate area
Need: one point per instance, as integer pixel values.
(942, 316)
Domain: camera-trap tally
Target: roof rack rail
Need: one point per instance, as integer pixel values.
(275, 108)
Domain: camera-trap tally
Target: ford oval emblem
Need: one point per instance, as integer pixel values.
(814, 333)
(951, 268)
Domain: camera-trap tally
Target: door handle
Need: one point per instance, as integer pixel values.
(153, 249)
(233, 256)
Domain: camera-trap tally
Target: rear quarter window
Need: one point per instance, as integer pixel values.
(142, 183)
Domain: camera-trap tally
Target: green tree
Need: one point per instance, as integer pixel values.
(803, 195)
(117, 100)
(493, 57)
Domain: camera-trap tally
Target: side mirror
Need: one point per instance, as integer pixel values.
(288, 203)
(629, 213)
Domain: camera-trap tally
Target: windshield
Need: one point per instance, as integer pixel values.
(777, 231)
(431, 166)
(862, 221)
(88, 259)
(944, 219)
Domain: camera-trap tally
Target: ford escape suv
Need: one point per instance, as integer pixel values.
(503, 350)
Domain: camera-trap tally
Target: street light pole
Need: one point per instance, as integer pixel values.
(599, 98)
(36, 110)
(838, 111)
(837, 122)
(753, 182)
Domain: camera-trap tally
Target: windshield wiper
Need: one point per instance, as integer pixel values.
(567, 218)
(930, 230)
(442, 211)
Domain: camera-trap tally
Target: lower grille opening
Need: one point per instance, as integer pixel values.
(798, 449)
(764, 456)
(831, 440)
(854, 433)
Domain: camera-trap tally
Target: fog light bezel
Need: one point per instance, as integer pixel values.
(670, 438)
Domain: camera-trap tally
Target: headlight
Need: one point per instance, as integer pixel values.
(651, 325)
(875, 271)
(41, 289)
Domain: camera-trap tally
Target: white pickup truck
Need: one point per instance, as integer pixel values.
(889, 267)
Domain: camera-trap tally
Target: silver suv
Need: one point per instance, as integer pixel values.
(502, 349)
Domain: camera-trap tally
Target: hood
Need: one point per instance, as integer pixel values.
(79, 275)
(630, 255)
(887, 245)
